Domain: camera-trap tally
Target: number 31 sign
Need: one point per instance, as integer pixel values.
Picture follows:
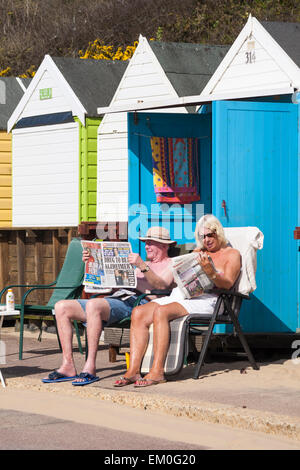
(250, 54)
(250, 57)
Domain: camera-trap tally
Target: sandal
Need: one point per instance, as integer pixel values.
(56, 376)
(123, 381)
(85, 379)
(140, 383)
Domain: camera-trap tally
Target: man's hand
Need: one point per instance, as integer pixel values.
(85, 255)
(136, 260)
(205, 263)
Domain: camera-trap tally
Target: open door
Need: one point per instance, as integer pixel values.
(255, 183)
(144, 210)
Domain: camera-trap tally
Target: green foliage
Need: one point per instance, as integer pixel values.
(29, 29)
(159, 34)
(219, 21)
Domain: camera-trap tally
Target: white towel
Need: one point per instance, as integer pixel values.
(247, 240)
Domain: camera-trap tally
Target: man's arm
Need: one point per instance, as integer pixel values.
(157, 282)
(231, 270)
(153, 278)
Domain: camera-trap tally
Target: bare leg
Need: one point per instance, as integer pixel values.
(97, 311)
(65, 312)
(162, 316)
(141, 319)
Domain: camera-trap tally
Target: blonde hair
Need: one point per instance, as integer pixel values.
(211, 222)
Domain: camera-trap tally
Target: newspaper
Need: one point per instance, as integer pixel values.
(90, 289)
(107, 266)
(189, 275)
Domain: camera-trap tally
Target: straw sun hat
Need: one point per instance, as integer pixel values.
(158, 234)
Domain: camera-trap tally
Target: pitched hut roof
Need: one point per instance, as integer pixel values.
(93, 81)
(12, 89)
(188, 66)
(287, 35)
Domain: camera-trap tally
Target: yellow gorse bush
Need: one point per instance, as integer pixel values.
(5, 72)
(99, 51)
(29, 72)
(95, 50)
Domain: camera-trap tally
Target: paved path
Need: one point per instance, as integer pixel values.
(265, 402)
(68, 422)
(30, 431)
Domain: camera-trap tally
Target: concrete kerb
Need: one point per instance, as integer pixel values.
(216, 413)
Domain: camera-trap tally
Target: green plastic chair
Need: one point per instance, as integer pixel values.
(68, 285)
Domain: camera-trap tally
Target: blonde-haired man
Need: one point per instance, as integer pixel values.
(211, 242)
(211, 222)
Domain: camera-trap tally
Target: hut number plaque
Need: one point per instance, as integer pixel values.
(45, 93)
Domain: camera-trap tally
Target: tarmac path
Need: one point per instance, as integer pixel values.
(25, 431)
(80, 423)
(230, 407)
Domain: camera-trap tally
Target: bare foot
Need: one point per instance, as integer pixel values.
(85, 371)
(126, 380)
(147, 381)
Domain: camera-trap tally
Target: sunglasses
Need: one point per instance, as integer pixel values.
(209, 235)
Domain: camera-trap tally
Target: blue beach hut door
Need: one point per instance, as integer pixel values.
(255, 183)
(144, 210)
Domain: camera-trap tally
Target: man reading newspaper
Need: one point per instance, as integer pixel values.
(155, 273)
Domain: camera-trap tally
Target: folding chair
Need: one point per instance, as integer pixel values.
(116, 336)
(230, 303)
(247, 240)
(68, 285)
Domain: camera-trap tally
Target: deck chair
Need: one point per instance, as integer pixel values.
(116, 335)
(68, 285)
(247, 240)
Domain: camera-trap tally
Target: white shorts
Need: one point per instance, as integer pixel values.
(205, 303)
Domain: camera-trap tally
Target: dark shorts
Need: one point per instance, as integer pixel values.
(119, 309)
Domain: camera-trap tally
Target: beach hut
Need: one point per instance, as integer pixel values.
(249, 138)
(11, 89)
(158, 71)
(54, 138)
(264, 57)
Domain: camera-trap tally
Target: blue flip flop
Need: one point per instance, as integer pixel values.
(86, 379)
(58, 377)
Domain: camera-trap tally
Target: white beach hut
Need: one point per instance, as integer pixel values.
(158, 71)
(263, 60)
(54, 141)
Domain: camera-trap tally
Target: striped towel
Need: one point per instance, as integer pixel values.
(176, 352)
(175, 169)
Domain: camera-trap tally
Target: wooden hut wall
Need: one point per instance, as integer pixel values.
(88, 169)
(5, 180)
(30, 256)
(46, 176)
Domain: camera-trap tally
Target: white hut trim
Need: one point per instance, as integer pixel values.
(48, 65)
